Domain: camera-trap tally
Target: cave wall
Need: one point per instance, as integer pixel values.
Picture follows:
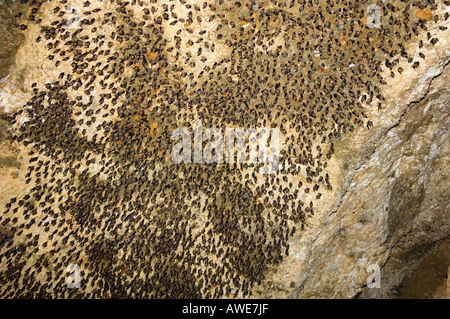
(389, 205)
(395, 209)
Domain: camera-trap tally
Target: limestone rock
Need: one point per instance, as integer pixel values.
(387, 210)
(394, 210)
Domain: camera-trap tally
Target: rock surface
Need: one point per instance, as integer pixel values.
(394, 210)
(388, 209)
(391, 208)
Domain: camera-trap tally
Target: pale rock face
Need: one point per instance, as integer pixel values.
(393, 207)
(389, 206)
(394, 210)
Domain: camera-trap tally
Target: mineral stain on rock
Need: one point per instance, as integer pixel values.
(10, 12)
(406, 198)
(9, 162)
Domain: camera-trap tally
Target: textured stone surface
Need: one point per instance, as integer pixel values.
(388, 205)
(391, 208)
(11, 37)
(431, 280)
(394, 210)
